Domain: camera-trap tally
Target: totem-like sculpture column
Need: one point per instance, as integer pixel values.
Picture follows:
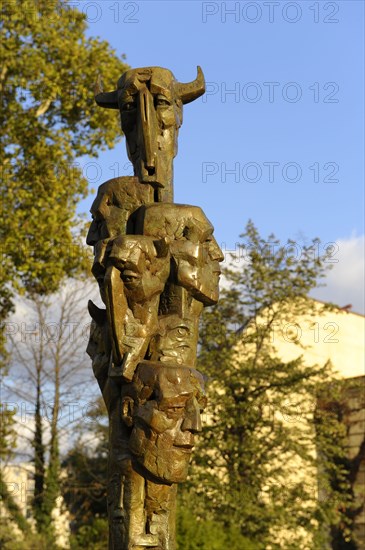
(157, 266)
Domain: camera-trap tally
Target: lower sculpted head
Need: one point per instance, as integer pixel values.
(163, 406)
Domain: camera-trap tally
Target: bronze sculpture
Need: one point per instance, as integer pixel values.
(157, 266)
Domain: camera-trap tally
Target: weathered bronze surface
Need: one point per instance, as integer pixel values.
(157, 266)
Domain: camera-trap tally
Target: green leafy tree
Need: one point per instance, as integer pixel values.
(203, 533)
(92, 535)
(10, 540)
(255, 445)
(48, 119)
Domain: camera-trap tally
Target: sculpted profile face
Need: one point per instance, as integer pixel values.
(115, 201)
(108, 214)
(163, 407)
(197, 259)
(150, 102)
(195, 252)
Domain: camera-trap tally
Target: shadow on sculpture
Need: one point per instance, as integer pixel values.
(157, 266)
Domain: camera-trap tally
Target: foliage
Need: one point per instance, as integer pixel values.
(48, 120)
(93, 535)
(10, 540)
(255, 468)
(206, 534)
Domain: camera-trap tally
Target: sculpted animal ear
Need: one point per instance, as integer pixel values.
(127, 411)
(109, 100)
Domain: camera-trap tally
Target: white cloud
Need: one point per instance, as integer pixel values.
(345, 281)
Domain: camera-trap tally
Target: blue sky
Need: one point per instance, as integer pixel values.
(286, 148)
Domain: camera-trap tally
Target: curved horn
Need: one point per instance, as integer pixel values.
(192, 90)
(109, 100)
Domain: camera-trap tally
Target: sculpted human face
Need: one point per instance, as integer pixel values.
(164, 425)
(151, 114)
(116, 200)
(194, 249)
(143, 268)
(176, 340)
(109, 217)
(137, 269)
(197, 260)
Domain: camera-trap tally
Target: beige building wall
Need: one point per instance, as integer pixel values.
(335, 335)
(338, 336)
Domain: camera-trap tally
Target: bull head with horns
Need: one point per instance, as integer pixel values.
(150, 102)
